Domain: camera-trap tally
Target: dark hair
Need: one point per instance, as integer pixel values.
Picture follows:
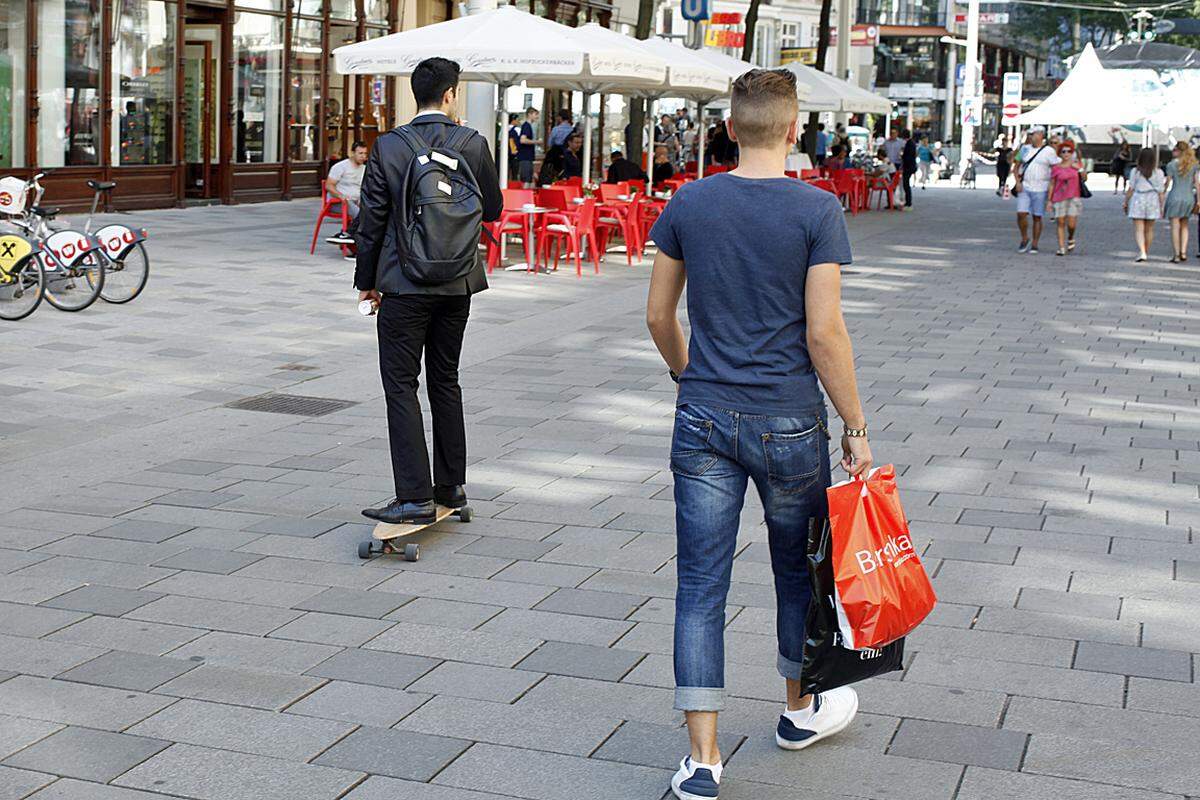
(763, 105)
(357, 144)
(1147, 162)
(906, 133)
(513, 117)
(565, 115)
(616, 154)
(820, 126)
(431, 79)
(530, 110)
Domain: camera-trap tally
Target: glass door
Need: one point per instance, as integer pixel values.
(199, 118)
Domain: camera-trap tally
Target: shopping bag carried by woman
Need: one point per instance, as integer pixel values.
(882, 591)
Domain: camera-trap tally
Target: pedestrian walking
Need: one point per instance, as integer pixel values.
(1183, 180)
(1066, 193)
(421, 282)
(1121, 160)
(761, 255)
(1144, 199)
(527, 147)
(1004, 155)
(924, 160)
(908, 163)
(1032, 184)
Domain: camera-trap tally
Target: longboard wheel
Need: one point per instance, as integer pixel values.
(412, 552)
(364, 549)
(465, 514)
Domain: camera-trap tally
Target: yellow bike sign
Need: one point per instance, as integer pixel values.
(13, 250)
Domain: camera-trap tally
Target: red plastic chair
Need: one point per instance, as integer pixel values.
(808, 174)
(791, 173)
(513, 220)
(879, 187)
(572, 230)
(617, 216)
(823, 183)
(331, 208)
(846, 188)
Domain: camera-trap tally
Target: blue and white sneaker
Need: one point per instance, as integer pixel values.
(696, 781)
(829, 713)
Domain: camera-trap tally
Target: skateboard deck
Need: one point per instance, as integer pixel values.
(384, 535)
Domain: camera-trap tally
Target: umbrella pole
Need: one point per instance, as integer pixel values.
(649, 140)
(502, 166)
(587, 136)
(700, 136)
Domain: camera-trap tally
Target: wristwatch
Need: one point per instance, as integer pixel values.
(855, 433)
(674, 375)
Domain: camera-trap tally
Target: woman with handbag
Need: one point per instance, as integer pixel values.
(1067, 190)
(1183, 177)
(1144, 199)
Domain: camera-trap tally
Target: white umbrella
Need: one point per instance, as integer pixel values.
(504, 46)
(829, 93)
(615, 63)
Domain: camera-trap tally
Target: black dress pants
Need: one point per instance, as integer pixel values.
(409, 325)
(908, 187)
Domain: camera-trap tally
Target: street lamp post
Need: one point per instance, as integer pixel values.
(970, 84)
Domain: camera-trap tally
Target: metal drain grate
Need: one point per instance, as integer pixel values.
(273, 403)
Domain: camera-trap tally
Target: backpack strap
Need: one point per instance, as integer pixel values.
(414, 140)
(458, 138)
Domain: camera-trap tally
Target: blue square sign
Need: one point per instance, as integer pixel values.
(694, 10)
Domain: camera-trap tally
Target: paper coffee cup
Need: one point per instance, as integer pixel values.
(366, 308)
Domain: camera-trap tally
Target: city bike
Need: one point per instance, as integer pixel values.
(21, 277)
(128, 266)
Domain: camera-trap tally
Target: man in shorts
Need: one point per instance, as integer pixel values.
(1033, 182)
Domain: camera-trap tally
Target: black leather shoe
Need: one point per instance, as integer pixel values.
(404, 512)
(450, 496)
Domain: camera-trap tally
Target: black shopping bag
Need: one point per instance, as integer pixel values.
(828, 665)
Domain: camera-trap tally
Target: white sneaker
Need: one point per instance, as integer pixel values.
(696, 781)
(829, 713)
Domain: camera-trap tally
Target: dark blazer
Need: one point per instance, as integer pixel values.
(624, 170)
(379, 251)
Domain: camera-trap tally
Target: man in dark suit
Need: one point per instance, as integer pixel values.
(621, 169)
(416, 318)
(908, 164)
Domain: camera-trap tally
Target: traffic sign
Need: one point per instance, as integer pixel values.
(971, 107)
(694, 10)
(1010, 97)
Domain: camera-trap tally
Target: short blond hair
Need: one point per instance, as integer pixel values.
(763, 106)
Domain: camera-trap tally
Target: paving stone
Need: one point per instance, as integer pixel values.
(215, 614)
(970, 551)
(374, 667)
(137, 530)
(1170, 697)
(959, 744)
(1121, 728)
(445, 613)
(86, 754)
(395, 753)
(380, 787)
(122, 670)
(353, 602)
(374, 706)
(1030, 623)
(549, 776)
(205, 774)
(107, 573)
(42, 656)
(582, 697)
(990, 784)
(581, 660)
(18, 783)
(610, 605)
(467, 590)
(16, 733)
(476, 681)
(1073, 603)
(255, 652)
(551, 626)
(246, 730)
(108, 600)
(1012, 677)
(294, 526)
(1142, 767)
(203, 560)
(133, 636)
(77, 703)
(34, 621)
(332, 629)
(473, 646)
(546, 574)
(241, 687)
(71, 789)
(656, 745)
(1145, 662)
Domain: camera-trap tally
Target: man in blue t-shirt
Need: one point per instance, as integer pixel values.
(759, 254)
(525, 147)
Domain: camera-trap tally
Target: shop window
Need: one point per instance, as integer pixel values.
(311, 8)
(264, 5)
(376, 11)
(143, 81)
(12, 83)
(258, 94)
(304, 131)
(342, 9)
(68, 82)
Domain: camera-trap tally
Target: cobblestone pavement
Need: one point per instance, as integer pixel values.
(184, 613)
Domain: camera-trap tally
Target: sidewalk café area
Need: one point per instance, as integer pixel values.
(581, 219)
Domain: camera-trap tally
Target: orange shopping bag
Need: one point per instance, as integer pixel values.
(882, 589)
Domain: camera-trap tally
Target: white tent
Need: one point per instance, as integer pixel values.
(1181, 100)
(829, 93)
(503, 46)
(1093, 95)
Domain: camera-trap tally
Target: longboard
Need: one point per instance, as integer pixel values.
(383, 537)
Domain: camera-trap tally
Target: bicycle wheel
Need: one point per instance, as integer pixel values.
(76, 288)
(125, 278)
(21, 289)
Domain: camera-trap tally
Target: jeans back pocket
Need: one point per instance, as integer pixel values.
(691, 451)
(793, 459)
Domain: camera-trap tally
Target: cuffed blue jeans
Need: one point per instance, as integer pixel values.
(713, 453)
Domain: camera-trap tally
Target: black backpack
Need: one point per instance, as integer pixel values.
(441, 211)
